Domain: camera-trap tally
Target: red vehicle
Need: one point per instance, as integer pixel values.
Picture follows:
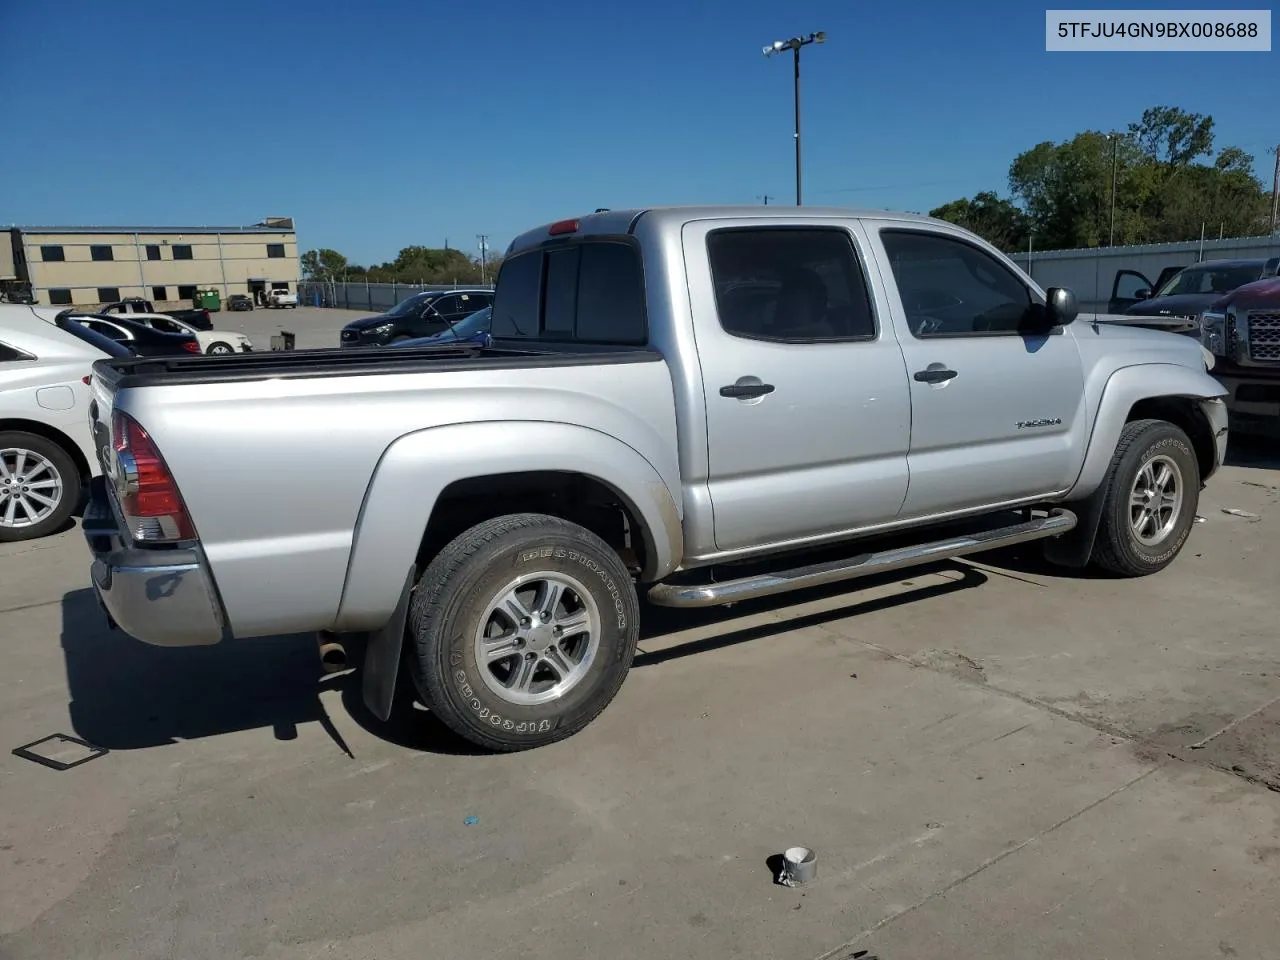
(1242, 330)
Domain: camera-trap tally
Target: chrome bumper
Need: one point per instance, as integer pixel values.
(1215, 411)
(161, 597)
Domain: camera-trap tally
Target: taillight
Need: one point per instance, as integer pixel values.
(148, 496)
(191, 346)
(561, 227)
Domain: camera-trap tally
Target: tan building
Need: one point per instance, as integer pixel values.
(86, 266)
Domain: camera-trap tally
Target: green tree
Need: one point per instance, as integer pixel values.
(1163, 192)
(323, 264)
(996, 220)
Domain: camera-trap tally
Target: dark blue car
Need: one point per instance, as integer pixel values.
(470, 329)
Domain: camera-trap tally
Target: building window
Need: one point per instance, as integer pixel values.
(108, 294)
(60, 298)
(160, 294)
(53, 254)
(275, 251)
(101, 252)
(185, 292)
(182, 251)
(153, 251)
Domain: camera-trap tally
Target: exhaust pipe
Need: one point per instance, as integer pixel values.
(333, 655)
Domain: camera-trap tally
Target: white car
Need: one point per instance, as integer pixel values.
(211, 341)
(46, 445)
(282, 298)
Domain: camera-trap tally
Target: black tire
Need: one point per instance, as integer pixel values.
(1118, 548)
(220, 347)
(68, 473)
(459, 587)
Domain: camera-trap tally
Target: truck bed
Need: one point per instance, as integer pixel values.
(337, 362)
(316, 440)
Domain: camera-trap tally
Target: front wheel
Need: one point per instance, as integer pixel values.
(523, 629)
(39, 486)
(1153, 490)
(219, 348)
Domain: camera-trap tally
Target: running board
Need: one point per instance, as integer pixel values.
(863, 565)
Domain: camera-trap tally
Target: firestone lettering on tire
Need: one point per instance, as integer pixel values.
(573, 556)
(496, 720)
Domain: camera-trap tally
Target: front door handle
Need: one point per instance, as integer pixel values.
(934, 374)
(746, 391)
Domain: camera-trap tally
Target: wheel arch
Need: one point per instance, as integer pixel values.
(1159, 391)
(1170, 393)
(433, 484)
(54, 435)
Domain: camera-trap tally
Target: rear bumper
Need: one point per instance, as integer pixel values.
(161, 597)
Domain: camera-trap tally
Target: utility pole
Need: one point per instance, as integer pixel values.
(484, 255)
(1275, 193)
(766, 198)
(1115, 157)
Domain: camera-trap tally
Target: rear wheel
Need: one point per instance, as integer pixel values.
(523, 629)
(39, 486)
(1153, 490)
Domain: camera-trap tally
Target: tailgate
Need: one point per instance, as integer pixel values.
(101, 404)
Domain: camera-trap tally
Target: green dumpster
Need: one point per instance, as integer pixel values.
(207, 300)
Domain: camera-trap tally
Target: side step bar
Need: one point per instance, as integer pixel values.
(763, 585)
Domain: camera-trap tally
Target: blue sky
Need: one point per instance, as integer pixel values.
(390, 122)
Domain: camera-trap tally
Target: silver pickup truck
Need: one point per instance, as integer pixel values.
(688, 401)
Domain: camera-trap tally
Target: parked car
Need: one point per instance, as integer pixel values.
(14, 291)
(472, 329)
(210, 341)
(632, 428)
(139, 337)
(1192, 290)
(239, 301)
(198, 318)
(282, 298)
(422, 315)
(46, 447)
(1243, 331)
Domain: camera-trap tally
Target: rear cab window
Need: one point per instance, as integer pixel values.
(588, 291)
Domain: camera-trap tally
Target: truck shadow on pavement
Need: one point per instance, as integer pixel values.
(1252, 450)
(128, 695)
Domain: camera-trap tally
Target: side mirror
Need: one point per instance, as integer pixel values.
(1060, 307)
(1143, 294)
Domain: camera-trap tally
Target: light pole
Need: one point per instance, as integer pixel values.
(794, 45)
(484, 256)
(1115, 139)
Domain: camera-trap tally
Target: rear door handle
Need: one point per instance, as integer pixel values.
(934, 375)
(746, 391)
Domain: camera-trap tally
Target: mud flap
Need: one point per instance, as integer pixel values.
(1074, 549)
(382, 656)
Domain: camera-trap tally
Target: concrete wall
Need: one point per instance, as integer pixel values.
(225, 262)
(1091, 273)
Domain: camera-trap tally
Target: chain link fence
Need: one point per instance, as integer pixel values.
(374, 297)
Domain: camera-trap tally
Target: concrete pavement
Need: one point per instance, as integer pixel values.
(992, 760)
